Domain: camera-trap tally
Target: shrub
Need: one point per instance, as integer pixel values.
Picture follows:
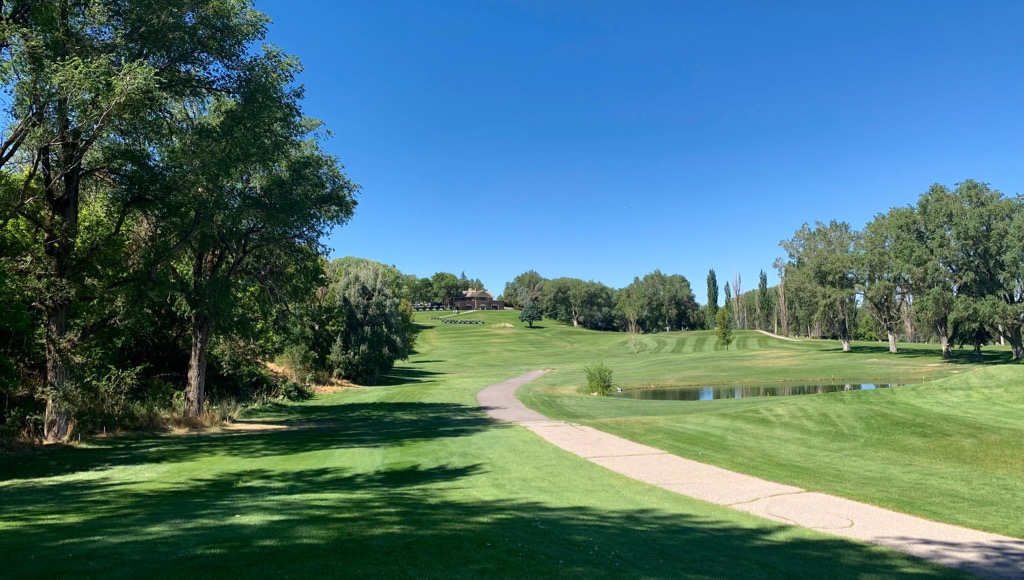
(599, 379)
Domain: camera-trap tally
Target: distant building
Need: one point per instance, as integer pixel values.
(478, 300)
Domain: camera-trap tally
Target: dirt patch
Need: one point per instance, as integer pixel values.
(246, 426)
(336, 386)
(329, 388)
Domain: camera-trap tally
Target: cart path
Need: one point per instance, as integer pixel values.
(779, 336)
(981, 553)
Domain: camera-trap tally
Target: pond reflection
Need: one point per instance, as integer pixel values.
(743, 392)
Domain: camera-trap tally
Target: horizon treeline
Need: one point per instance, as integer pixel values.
(949, 269)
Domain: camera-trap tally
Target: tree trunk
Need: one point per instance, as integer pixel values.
(947, 352)
(844, 328)
(57, 421)
(892, 340)
(1016, 343)
(195, 391)
(61, 187)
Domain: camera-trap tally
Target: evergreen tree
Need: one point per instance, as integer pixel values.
(531, 312)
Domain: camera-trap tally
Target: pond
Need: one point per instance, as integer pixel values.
(743, 392)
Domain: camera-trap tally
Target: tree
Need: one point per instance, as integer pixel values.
(630, 306)
(728, 301)
(882, 268)
(723, 328)
(371, 333)
(446, 288)
(764, 302)
(525, 286)
(251, 211)
(422, 291)
(92, 86)
(1011, 316)
(782, 302)
(712, 306)
(738, 312)
(531, 312)
(968, 265)
(824, 253)
(580, 303)
(932, 279)
(664, 302)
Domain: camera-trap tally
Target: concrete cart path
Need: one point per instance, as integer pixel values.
(981, 553)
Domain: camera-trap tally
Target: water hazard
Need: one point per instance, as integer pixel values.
(743, 392)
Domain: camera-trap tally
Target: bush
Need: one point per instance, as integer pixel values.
(599, 379)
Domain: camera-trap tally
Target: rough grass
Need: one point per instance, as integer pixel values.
(411, 480)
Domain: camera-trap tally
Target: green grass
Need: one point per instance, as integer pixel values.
(412, 479)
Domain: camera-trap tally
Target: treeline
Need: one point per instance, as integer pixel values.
(654, 303)
(441, 288)
(950, 268)
(162, 198)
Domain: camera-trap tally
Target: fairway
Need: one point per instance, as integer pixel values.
(409, 479)
(412, 477)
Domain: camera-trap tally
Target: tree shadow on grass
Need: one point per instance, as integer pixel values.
(965, 357)
(307, 428)
(407, 376)
(403, 522)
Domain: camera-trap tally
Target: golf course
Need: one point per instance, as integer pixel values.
(411, 478)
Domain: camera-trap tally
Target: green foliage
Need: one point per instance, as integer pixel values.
(526, 286)
(711, 308)
(765, 304)
(445, 288)
(824, 256)
(599, 379)
(370, 334)
(301, 363)
(580, 303)
(531, 312)
(723, 327)
(660, 303)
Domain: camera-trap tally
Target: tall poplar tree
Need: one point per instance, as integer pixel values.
(764, 302)
(712, 306)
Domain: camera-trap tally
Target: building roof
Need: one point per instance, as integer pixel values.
(474, 293)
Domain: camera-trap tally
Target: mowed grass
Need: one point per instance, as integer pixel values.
(412, 480)
(947, 449)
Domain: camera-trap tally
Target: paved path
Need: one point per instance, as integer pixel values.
(779, 336)
(981, 553)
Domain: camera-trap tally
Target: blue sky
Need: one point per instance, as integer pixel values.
(602, 140)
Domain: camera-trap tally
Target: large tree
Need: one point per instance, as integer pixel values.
(370, 334)
(825, 254)
(91, 85)
(664, 302)
(883, 255)
(523, 287)
(985, 259)
(446, 288)
(244, 220)
(580, 303)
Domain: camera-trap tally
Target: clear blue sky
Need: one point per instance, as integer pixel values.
(602, 140)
